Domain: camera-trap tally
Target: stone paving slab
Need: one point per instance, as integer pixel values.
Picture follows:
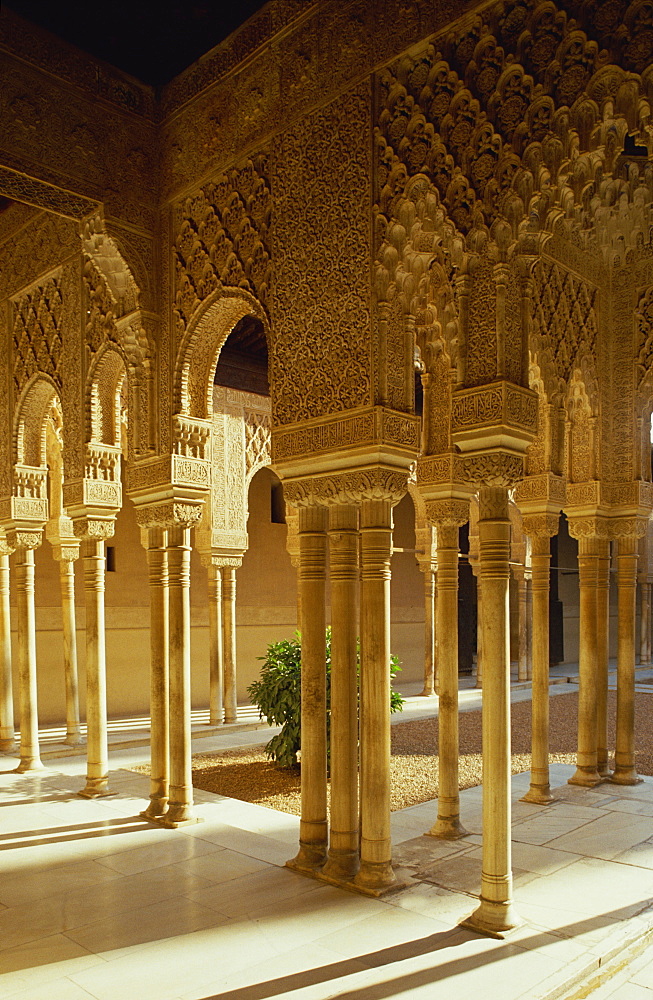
(95, 902)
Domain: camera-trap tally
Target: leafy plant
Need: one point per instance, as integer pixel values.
(277, 695)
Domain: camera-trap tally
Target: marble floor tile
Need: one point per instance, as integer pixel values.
(37, 964)
(604, 838)
(533, 858)
(244, 896)
(555, 822)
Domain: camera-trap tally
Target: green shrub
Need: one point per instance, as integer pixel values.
(277, 695)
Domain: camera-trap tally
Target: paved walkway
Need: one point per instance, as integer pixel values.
(97, 903)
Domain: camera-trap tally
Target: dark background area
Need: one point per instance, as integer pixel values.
(154, 41)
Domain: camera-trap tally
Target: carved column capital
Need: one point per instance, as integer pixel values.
(541, 525)
(592, 526)
(375, 483)
(96, 529)
(170, 514)
(450, 513)
(24, 538)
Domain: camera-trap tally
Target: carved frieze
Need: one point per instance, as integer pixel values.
(500, 414)
(375, 426)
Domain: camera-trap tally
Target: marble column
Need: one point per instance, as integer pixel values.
(66, 556)
(495, 913)
(540, 528)
(376, 872)
(229, 643)
(180, 802)
(30, 758)
(97, 745)
(523, 665)
(602, 656)
(312, 585)
(7, 726)
(430, 678)
(625, 772)
(343, 859)
(588, 577)
(645, 624)
(216, 647)
(448, 824)
(155, 539)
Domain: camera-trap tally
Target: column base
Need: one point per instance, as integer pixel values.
(73, 739)
(156, 809)
(215, 721)
(539, 795)
(179, 814)
(447, 828)
(8, 744)
(427, 693)
(341, 865)
(375, 878)
(30, 764)
(170, 823)
(585, 777)
(230, 718)
(492, 919)
(625, 776)
(310, 858)
(96, 788)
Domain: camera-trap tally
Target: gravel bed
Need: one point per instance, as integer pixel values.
(248, 775)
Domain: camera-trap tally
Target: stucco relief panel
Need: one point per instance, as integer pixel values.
(321, 254)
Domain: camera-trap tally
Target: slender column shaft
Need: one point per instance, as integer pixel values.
(602, 655)
(522, 611)
(7, 727)
(229, 643)
(645, 624)
(479, 633)
(67, 578)
(448, 821)
(495, 912)
(376, 871)
(429, 633)
(157, 559)
(625, 772)
(312, 586)
(586, 760)
(216, 649)
(30, 759)
(540, 789)
(97, 747)
(180, 803)
(344, 835)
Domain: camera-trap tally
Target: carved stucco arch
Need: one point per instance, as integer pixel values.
(200, 349)
(29, 437)
(104, 384)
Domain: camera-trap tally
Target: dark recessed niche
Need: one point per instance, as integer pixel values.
(243, 361)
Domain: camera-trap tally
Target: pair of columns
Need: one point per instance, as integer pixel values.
(24, 545)
(223, 702)
(495, 914)
(171, 787)
(357, 848)
(594, 567)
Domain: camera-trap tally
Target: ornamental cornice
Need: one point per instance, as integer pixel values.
(499, 415)
(346, 487)
(535, 492)
(359, 431)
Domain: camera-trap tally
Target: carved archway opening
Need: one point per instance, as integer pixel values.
(107, 395)
(198, 356)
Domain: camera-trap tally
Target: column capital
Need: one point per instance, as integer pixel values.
(449, 513)
(628, 527)
(221, 559)
(170, 514)
(96, 529)
(351, 487)
(543, 524)
(24, 538)
(595, 525)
